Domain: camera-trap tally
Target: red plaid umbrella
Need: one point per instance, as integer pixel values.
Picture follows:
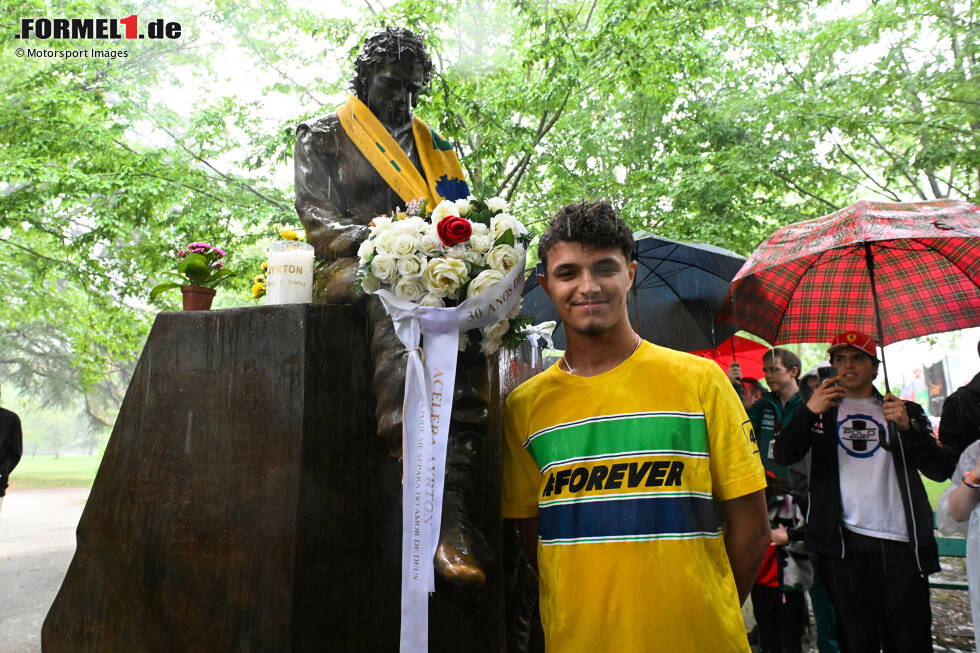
(891, 269)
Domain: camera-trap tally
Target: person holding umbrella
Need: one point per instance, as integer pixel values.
(869, 521)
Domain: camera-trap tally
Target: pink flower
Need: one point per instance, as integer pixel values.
(199, 247)
(220, 252)
(182, 253)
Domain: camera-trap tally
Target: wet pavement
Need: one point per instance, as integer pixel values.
(37, 542)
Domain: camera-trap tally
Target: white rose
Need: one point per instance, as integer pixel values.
(434, 301)
(463, 206)
(384, 267)
(430, 245)
(365, 251)
(409, 289)
(499, 224)
(497, 330)
(444, 276)
(480, 242)
(444, 208)
(413, 226)
(488, 346)
(383, 242)
(403, 244)
(483, 281)
(502, 258)
(497, 204)
(370, 283)
(411, 266)
(456, 251)
(474, 258)
(380, 224)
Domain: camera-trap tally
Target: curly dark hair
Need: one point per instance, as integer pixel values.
(589, 223)
(389, 43)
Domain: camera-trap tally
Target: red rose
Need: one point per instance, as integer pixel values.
(454, 230)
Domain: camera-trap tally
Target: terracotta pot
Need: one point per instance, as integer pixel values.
(197, 298)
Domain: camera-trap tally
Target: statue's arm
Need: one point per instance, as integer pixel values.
(330, 224)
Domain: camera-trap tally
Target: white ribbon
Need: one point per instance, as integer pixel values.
(535, 333)
(429, 383)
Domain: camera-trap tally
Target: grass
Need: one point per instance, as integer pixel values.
(934, 489)
(48, 472)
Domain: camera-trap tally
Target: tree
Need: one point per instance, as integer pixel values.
(706, 121)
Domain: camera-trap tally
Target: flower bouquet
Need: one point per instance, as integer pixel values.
(200, 264)
(460, 250)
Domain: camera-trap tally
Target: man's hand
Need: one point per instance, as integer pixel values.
(826, 396)
(746, 537)
(895, 411)
(735, 373)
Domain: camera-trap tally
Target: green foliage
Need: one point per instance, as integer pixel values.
(706, 121)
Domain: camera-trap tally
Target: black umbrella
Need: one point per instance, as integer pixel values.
(678, 290)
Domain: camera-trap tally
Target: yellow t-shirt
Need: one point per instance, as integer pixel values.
(623, 470)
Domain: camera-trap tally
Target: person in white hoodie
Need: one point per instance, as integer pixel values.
(959, 512)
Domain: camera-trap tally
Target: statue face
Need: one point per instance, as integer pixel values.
(393, 90)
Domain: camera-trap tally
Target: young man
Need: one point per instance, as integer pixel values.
(775, 408)
(869, 518)
(752, 391)
(633, 466)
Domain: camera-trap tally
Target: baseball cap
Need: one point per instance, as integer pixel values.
(856, 339)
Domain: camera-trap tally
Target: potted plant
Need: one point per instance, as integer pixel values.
(202, 267)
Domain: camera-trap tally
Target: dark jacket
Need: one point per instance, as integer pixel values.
(960, 423)
(768, 415)
(11, 445)
(917, 450)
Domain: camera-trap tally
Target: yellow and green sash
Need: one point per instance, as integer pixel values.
(439, 162)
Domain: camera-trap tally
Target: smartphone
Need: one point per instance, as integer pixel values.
(824, 373)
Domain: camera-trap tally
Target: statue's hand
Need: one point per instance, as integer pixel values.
(336, 282)
(346, 241)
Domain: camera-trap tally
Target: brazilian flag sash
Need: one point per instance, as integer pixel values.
(439, 162)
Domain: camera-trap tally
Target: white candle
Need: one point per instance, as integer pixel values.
(289, 279)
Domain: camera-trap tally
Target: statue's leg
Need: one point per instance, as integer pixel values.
(388, 354)
(457, 555)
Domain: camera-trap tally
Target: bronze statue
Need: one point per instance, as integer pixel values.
(338, 192)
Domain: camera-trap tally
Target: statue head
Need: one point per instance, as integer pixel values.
(390, 72)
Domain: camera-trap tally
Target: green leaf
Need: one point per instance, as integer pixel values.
(506, 238)
(195, 267)
(162, 287)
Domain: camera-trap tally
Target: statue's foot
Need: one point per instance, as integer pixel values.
(456, 563)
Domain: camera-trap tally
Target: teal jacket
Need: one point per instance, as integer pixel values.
(768, 415)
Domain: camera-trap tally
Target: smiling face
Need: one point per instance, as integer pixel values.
(393, 89)
(588, 286)
(857, 370)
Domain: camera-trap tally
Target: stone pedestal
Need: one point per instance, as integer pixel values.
(244, 502)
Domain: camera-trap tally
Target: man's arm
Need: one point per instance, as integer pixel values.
(955, 431)
(318, 191)
(925, 453)
(747, 536)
